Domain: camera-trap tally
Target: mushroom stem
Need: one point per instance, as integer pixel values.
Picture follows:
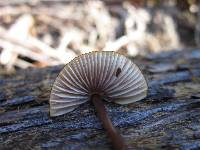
(116, 138)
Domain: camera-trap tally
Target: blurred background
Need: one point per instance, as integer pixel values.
(40, 33)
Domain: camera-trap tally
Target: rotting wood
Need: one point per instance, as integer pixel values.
(167, 119)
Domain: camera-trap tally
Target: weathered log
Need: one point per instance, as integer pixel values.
(167, 119)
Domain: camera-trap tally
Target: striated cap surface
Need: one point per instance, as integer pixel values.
(113, 76)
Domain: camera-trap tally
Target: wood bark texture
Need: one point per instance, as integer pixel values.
(169, 118)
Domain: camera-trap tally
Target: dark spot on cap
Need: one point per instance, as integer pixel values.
(119, 70)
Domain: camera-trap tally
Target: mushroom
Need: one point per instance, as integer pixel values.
(95, 77)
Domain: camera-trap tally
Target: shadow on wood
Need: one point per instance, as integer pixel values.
(167, 119)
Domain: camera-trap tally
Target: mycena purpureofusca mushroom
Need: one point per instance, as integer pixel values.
(95, 77)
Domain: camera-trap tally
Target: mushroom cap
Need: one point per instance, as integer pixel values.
(111, 75)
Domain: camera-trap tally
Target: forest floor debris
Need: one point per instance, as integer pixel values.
(45, 34)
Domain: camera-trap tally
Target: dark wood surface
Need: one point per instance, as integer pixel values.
(169, 118)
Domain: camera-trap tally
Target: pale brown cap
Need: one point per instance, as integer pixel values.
(113, 76)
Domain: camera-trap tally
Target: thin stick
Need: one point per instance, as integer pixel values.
(116, 138)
